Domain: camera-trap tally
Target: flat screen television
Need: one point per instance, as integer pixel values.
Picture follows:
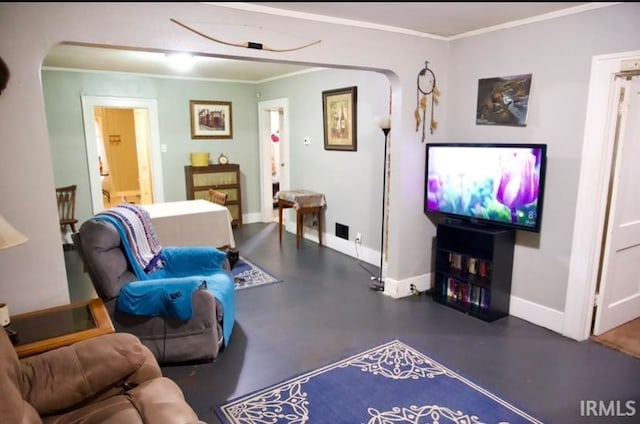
(499, 184)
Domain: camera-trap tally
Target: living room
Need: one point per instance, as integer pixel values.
(558, 52)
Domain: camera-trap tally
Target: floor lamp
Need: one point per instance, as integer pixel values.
(377, 283)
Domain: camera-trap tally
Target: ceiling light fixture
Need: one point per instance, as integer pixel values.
(180, 61)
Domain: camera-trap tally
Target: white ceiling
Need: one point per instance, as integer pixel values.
(427, 19)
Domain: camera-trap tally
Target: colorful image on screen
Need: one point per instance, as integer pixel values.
(491, 183)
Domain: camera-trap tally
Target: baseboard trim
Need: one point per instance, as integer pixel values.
(537, 314)
(348, 247)
(250, 218)
(402, 288)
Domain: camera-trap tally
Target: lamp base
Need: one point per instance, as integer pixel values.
(377, 284)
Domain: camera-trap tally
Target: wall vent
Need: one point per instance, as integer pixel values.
(342, 231)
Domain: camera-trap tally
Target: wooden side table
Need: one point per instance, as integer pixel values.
(304, 202)
(50, 328)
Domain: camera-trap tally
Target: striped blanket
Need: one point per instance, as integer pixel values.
(134, 224)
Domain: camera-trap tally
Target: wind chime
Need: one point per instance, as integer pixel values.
(426, 86)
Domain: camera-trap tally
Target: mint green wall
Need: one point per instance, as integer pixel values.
(351, 181)
(62, 93)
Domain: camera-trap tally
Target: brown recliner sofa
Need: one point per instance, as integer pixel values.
(111, 379)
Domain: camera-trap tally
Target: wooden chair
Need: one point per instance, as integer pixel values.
(67, 207)
(218, 197)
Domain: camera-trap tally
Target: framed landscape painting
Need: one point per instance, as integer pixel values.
(503, 100)
(211, 119)
(339, 112)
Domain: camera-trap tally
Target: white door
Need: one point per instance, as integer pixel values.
(264, 133)
(618, 299)
(141, 122)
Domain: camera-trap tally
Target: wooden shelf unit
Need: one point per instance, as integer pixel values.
(225, 178)
(473, 269)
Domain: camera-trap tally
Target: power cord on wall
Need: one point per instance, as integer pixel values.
(416, 292)
(412, 287)
(360, 262)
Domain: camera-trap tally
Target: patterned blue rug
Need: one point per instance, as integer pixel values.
(389, 384)
(247, 274)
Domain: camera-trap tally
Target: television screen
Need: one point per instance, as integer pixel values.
(489, 183)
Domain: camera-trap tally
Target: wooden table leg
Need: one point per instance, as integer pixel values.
(299, 221)
(280, 221)
(319, 212)
(283, 204)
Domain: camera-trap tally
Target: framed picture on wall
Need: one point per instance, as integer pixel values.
(339, 112)
(503, 100)
(211, 120)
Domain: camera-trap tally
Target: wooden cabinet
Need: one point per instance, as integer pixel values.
(224, 178)
(473, 269)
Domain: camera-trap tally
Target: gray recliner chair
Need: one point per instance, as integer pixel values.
(169, 339)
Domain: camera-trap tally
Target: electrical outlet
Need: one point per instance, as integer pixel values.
(359, 238)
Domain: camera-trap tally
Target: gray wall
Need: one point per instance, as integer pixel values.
(351, 181)
(558, 53)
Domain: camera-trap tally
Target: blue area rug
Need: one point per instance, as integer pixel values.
(389, 384)
(247, 274)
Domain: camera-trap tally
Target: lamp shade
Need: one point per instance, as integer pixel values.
(9, 236)
(383, 122)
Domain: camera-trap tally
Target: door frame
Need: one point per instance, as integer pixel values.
(264, 137)
(89, 103)
(605, 317)
(591, 204)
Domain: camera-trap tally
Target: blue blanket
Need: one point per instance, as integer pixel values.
(168, 296)
(162, 297)
(167, 291)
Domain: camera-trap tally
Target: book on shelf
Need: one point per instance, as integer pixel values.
(458, 291)
(484, 299)
(484, 268)
(471, 266)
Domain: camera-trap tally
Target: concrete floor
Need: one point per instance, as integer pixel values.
(324, 311)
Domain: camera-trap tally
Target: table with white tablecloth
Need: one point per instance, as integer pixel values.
(192, 223)
(304, 202)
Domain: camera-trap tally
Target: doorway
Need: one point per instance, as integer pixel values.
(592, 206)
(143, 125)
(123, 156)
(273, 124)
(617, 290)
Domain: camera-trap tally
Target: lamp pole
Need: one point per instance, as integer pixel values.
(377, 282)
